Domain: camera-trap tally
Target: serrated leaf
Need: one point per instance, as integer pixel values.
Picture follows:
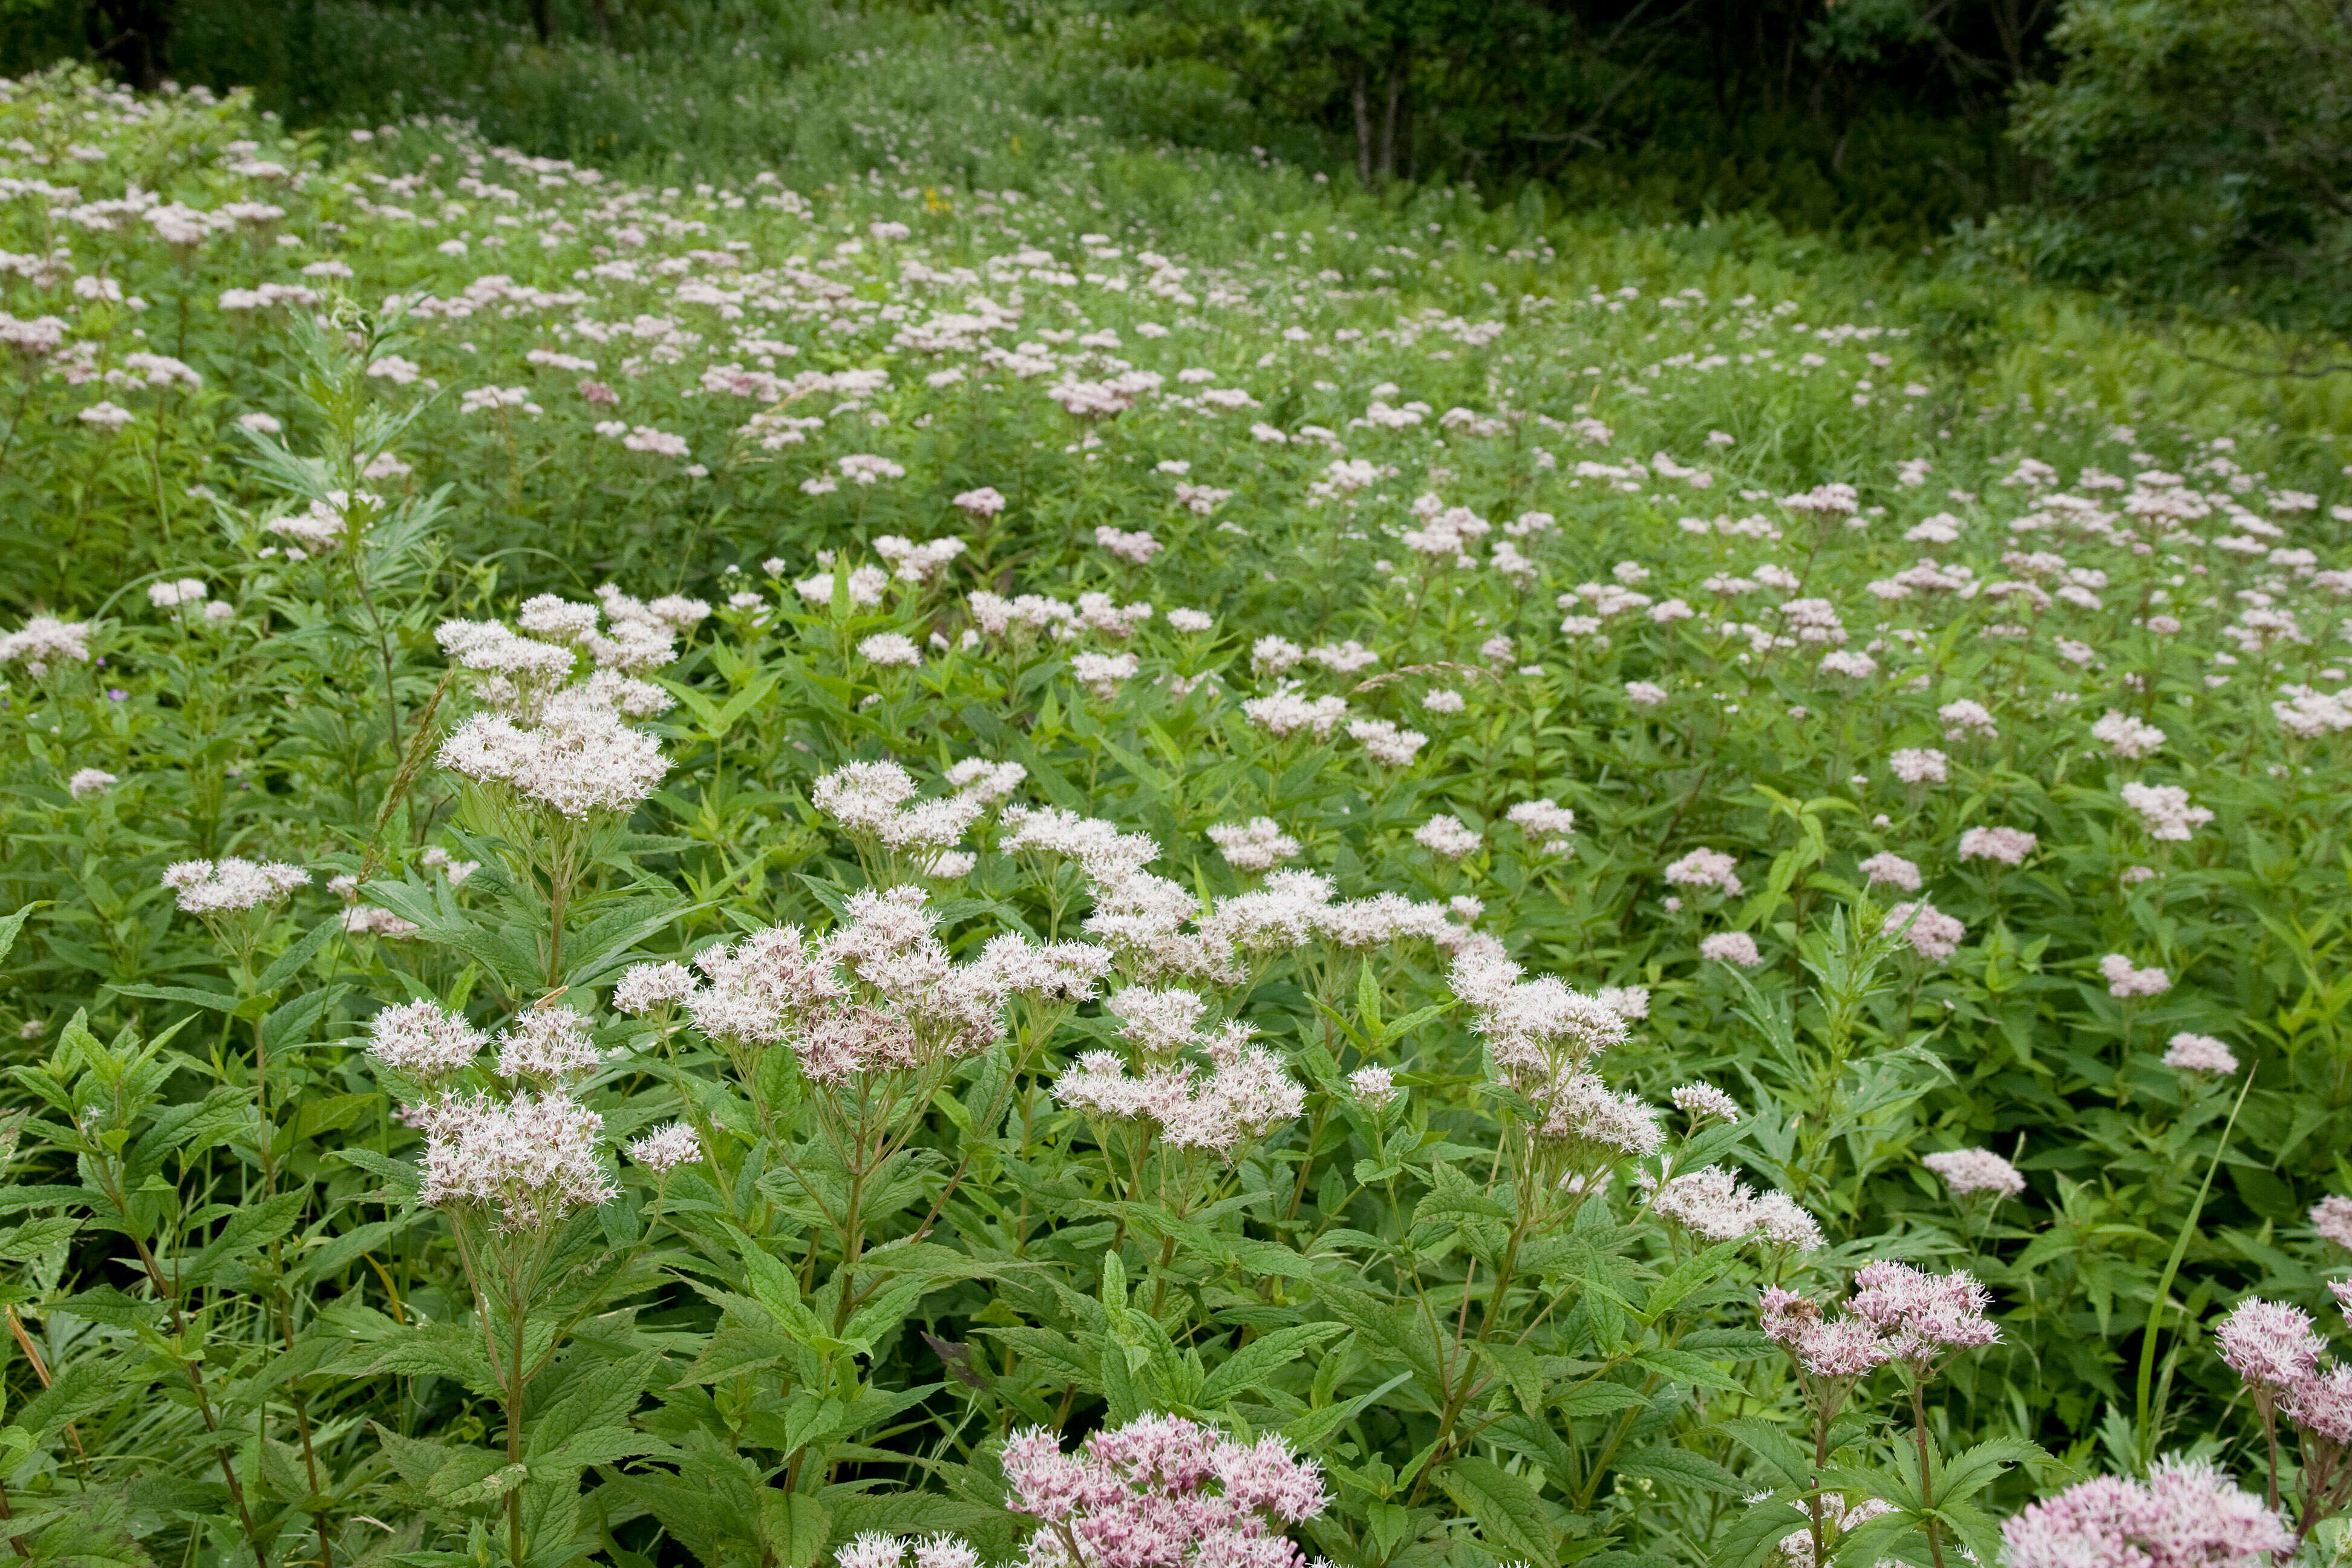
(1682, 1366)
(1688, 1276)
(1971, 1470)
(13, 926)
(1510, 1512)
(1521, 1368)
(793, 1527)
(1750, 1537)
(1311, 1428)
(249, 1230)
(1773, 1445)
(1679, 1466)
(1254, 1363)
(1974, 1527)
(291, 961)
(218, 1001)
(439, 1350)
(1601, 1399)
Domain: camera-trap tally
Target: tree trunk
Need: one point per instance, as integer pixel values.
(1363, 101)
(133, 38)
(1399, 65)
(543, 19)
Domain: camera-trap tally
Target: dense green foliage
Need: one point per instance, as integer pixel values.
(1404, 522)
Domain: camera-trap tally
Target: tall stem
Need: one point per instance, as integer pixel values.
(1926, 1475)
(515, 1318)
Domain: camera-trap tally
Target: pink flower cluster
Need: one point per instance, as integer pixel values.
(1714, 1205)
(2010, 845)
(2126, 983)
(1161, 1492)
(1247, 1094)
(532, 1158)
(1932, 933)
(1706, 868)
(1895, 1313)
(2185, 1515)
(2167, 811)
(2200, 1053)
(1966, 1170)
(878, 994)
(2278, 1354)
(2331, 1216)
(1542, 1035)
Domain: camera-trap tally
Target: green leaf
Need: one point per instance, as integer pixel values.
(218, 1001)
(1773, 1445)
(742, 702)
(1599, 1399)
(1682, 1366)
(1509, 1511)
(794, 1527)
(14, 925)
(1874, 1538)
(1521, 1368)
(248, 1230)
(1114, 1284)
(1707, 1268)
(1317, 1424)
(294, 958)
(595, 1446)
(595, 1400)
(1255, 1361)
(1971, 1470)
(1975, 1528)
(439, 1350)
(29, 1240)
(1679, 1466)
(1748, 1539)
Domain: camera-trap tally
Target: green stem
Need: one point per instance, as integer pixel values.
(2171, 1267)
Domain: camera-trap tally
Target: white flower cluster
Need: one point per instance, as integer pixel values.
(226, 887)
(1542, 1035)
(878, 994)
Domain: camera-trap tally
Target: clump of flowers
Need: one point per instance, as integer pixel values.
(1932, 933)
(1161, 1491)
(2127, 982)
(2003, 845)
(2186, 1514)
(1706, 868)
(2167, 811)
(1713, 1206)
(2200, 1053)
(1541, 1036)
(232, 886)
(1897, 1316)
(579, 761)
(1966, 1171)
(1245, 1095)
(1735, 948)
(1548, 825)
(1258, 844)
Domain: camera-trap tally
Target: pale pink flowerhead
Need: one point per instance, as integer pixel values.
(1732, 947)
(2200, 1053)
(2126, 983)
(2271, 1346)
(1966, 1170)
(2331, 1216)
(2009, 846)
(2187, 1515)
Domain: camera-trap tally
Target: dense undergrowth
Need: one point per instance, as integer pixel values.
(1158, 800)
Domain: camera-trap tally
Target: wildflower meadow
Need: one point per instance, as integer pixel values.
(1001, 843)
